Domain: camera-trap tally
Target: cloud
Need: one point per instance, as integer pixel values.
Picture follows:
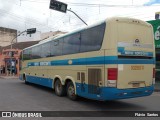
(152, 2)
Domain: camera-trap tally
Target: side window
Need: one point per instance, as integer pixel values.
(71, 44)
(27, 54)
(30, 53)
(46, 51)
(36, 52)
(56, 47)
(91, 39)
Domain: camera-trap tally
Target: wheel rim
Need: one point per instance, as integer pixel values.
(71, 91)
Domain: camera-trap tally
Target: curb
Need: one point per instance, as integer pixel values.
(9, 77)
(156, 90)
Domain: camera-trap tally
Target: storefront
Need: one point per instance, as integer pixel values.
(10, 62)
(156, 28)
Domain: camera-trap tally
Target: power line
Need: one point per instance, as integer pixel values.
(59, 20)
(22, 19)
(90, 4)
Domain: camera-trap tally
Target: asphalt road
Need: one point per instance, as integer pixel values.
(17, 96)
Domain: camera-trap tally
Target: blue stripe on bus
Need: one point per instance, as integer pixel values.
(40, 81)
(95, 60)
(59, 62)
(122, 51)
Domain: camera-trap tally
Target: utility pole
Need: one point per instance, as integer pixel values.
(11, 52)
(29, 31)
(77, 16)
(62, 7)
(16, 37)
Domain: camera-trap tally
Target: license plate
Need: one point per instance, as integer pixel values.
(136, 84)
(136, 67)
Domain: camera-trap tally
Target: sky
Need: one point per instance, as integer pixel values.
(25, 14)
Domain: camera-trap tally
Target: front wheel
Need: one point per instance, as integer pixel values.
(25, 80)
(71, 91)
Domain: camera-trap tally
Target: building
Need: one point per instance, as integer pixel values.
(49, 34)
(10, 61)
(10, 58)
(19, 45)
(7, 35)
(156, 29)
(37, 36)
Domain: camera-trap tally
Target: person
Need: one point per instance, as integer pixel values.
(4, 69)
(8, 69)
(15, 70)
(1, 69)
(13, 67)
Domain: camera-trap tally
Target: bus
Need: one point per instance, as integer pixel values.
(110, 60)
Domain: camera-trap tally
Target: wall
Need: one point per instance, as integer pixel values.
(6, 36)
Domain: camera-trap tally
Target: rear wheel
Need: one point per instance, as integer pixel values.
(71, 91)
(59, 88)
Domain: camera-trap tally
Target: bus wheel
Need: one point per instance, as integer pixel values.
(59, 88)
(71, 91)
(24, 78)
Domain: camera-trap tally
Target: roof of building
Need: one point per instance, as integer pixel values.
(7, 29)
(20, 45)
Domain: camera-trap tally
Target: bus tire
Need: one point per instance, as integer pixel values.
(59, 88)
(71, 91)
(24, 78)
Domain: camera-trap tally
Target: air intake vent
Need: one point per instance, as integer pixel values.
(94, 76)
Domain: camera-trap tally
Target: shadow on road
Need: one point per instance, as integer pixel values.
(42, 88)
(114, 105)
(111, 105)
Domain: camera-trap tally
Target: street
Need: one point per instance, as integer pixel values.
(17, 96)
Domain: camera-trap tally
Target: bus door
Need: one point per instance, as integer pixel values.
(135, 55)
(95, 77)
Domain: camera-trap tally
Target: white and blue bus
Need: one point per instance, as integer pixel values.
(114, 59)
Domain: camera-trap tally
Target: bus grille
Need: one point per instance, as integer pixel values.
(94, 76)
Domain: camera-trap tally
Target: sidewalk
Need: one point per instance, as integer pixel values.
(9, 77)
(157, 86)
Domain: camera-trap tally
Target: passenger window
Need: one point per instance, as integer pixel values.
(46, 50)
(56, 47)
(92, 38)
(71, 44)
